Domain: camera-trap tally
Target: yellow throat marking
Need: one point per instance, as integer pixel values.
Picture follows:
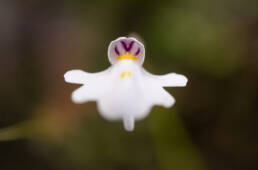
(125, 73)
(127, 56)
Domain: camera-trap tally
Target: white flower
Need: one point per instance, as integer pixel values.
(125, 91)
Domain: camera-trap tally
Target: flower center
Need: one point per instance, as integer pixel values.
(127, 56)
(125, 73)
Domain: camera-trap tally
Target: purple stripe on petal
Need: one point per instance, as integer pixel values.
(138, 51)
(130, 46)
(117, 51)
(124, 45)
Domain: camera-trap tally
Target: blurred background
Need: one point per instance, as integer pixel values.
(212, 126)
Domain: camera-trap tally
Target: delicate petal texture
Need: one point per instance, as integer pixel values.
(125, 91)
(165, 99)
(76, 76)
(172, 80)
(128, 95)
(168, 80)
(82, 77)
(85, 94)
(92, 88)
(125, 46)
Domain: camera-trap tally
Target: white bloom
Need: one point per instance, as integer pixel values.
(125, 91)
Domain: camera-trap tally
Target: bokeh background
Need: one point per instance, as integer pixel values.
(213, 125)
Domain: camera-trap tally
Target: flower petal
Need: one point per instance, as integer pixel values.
(157, 95)
(172, 80)
(84, 94)
(126, 46)
(125, 99)
(82, 77)
(76, 76)
(93, 84)
(166, 99)
(168, 80)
